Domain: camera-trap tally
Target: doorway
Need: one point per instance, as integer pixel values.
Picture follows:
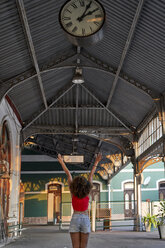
(162, 191)
(128, 200)
(54, 202)
(95, 192)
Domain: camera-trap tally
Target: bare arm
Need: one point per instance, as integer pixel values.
(97, 160)
(61, 161)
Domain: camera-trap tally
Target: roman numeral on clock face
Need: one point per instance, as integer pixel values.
(74, 29)
(65, 18)
(67, 10)
(82, 4)
(74, 5)
(69, 24)
(96, 23)
(83, 31)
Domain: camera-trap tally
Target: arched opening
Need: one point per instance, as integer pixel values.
(5, 160)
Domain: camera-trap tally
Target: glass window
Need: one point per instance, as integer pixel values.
(132, 198)
(150, 135)
(126, 201)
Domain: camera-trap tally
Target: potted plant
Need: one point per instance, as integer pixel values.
(148, 221)
(161, 220)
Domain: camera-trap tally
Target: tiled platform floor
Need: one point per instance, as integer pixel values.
(51, 237)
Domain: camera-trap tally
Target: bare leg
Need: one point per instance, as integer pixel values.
(75, 237)
(84, 240)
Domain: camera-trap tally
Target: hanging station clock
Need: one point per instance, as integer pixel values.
(83, 21)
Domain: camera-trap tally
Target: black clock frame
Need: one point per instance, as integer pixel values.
(84, 40)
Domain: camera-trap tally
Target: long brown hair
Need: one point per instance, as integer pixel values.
(80, 187)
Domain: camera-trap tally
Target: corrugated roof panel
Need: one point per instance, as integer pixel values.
(145, 60)
(97, 117)
(119, 17)
(84, 98)
(86, 117)
(44, 25)
(55, 80)
(130, 103)
(14, 54)
(27, 98)
(60, 118)
(99, 83)
(68, 99)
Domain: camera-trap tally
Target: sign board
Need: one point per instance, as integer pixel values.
(74, 159)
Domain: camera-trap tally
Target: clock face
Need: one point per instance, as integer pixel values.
(82, 17)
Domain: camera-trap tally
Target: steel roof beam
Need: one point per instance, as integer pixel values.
(49, 106)
(145, 90)
(128, 42)
(77, 108)
(6, 86)
(26, 27)
(83, 130)
(109, 111)
(54, 129)
(81, 108)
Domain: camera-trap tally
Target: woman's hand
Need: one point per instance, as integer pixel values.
(98, 158)
(61, 161)
(60, 158)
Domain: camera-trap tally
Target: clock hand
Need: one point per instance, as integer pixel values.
(82, 16)
(91, 12)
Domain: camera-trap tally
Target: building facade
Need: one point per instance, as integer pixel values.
(10, 163)
(47, 196)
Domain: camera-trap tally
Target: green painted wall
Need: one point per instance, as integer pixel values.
(35, 205)
(149, 191)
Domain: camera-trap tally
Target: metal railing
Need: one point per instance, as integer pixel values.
(109, 215)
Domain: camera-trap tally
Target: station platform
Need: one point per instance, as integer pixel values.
(51, 237)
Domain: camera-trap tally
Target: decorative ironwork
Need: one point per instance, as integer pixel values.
(144, 163)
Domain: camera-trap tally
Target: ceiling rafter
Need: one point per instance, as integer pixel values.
(8, 85)
(145, 90)
(83, 130)
(117, 144)
(81, 108)
(103, 67)
(100, 141)
(66, 141)
(125, 50)
(41, 112)
(109, 111)
(25, 24)
(77, 108)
